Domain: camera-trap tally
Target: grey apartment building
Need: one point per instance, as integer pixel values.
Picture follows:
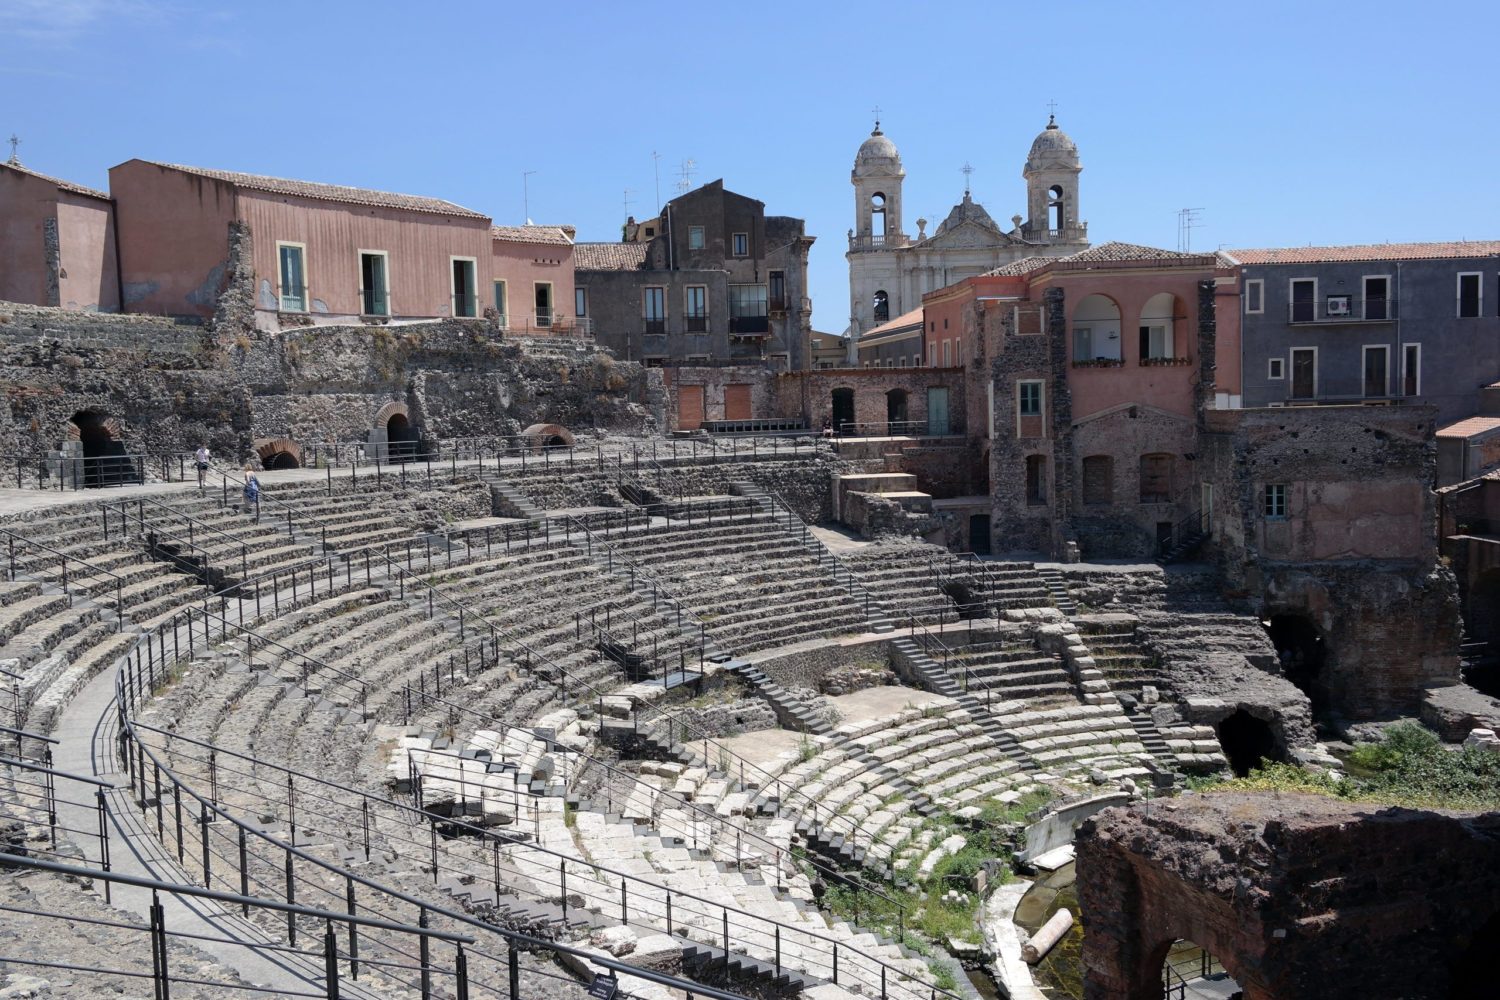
(1393, 322)
(711, 279)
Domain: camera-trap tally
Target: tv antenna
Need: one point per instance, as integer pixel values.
(526, 196)
(1187, 221)
(656, 165)
(685, 181)
(15, 144)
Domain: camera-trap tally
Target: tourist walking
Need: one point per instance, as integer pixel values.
(200, 459)
(252, 494)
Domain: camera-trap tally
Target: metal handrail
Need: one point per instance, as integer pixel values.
(809, 541)
(193, 546)
(12, 537)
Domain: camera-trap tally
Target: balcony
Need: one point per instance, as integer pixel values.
(697, 324)
(656, 326)
(1100, 363)
(749, 326)
(889, 240)
(1341, 310)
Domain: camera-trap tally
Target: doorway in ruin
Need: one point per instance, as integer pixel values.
(1473, 970)
(1302, 652)
(979, 534)
(280, 460)
(1192, 971)
(843, 410)
(104, 462)
(403, 440)
(895, 411)
(1247, 741)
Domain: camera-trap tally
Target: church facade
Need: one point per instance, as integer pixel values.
(889, 271)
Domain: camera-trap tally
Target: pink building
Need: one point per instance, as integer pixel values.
(331, 254)
(57, 242)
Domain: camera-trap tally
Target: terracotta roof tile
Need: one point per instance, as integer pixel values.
(912, 318)
(609, 256)
(329, 192)
(1117, 251)
(553, 235)
(1368, 251)
(62, 185)
(1017, 268)
(1469, 427)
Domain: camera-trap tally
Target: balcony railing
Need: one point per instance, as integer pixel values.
(654, 326)
(1165, 362)
(742, 325)
(697, 324)
(1337, 309)
(557, 326)
(1100, 363)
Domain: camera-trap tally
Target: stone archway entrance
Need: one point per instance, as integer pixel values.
(1303, 653)
(542, 437)
(101, 457)
(895, 412)
(279, 453)
(843, 409)
(1246, 741)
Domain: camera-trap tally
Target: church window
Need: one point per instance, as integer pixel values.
(882, 307)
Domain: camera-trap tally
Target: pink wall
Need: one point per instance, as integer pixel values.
(174, 238)
(418, 244)
(1167, 387)
(86, 231)
(24, 202)
(520, 265)
(1228, 355)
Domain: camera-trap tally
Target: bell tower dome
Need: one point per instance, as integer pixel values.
(1051, 173)
(877, 178)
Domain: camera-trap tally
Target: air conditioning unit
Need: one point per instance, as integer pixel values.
(1338, 305)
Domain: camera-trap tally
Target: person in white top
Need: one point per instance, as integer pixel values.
(200, 459)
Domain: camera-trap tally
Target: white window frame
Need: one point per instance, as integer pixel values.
(699, 233)
(306, 284)
(1266, 504)
(1364, 297)
(734, 245)
(1364, 350)
(687, 305)
(1405, 348)
(1041, 397)
(453, 288)
(1276, 369)
(502, 301)
(580, 298)
(1291, 370)
(1083, 333)
(916, 360)
(932, 355)
(947, 353)
(1259, 284)
(1291, 303)
(1458, 294)
(360, 256)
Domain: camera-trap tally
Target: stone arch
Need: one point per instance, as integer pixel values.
(96, 432)
(1303, 653)
(541, 436)
(95, 441)
(389, 410)
(279, 453)
(882, 306)
(896, 410)
(842, 399)
(1247, 741)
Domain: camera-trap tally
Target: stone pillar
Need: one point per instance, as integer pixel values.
(1061, 414)
(1207, 349)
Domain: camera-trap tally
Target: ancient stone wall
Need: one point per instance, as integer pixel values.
(1300, 897)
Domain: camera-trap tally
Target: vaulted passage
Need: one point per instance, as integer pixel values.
(1246, 741)
(843, 410)
(1191, 971)
(1302, 652)
(281, 460)
(402, 437)
(104, 460)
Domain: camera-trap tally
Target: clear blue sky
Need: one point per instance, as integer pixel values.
(1287, 123)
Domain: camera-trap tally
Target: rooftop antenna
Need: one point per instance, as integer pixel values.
(1187, 221)
(15, 143)
(967, 170)
(656, 164)
(526, 195)
(627, 203)
(685, 183)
